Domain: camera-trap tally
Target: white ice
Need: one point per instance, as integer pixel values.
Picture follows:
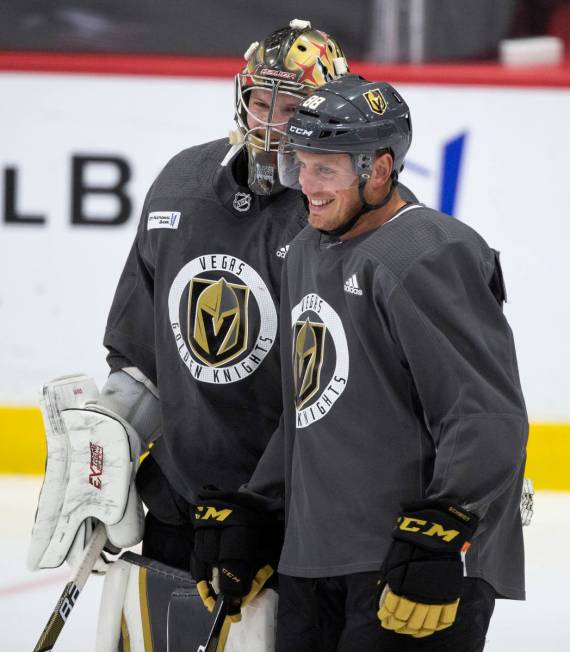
(27, 599)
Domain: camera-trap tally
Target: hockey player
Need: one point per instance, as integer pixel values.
(402, 445)
(195, 311)
(192, 332)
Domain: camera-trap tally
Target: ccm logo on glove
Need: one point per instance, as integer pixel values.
(427, 528)
(452, 522)
(231, 575)
(211, 512)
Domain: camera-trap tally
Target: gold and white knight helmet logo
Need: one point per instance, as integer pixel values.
(307, 359)
(217, 320)
(376, 101)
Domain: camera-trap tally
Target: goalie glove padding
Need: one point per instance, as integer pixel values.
(90, 467)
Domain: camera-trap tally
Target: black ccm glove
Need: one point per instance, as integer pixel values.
(422, 575)
(242, 541)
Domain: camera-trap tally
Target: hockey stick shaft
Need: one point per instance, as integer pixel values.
(219, 617)
(71, 591)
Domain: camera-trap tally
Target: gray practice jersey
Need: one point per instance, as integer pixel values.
(196, 311)
(400, 383)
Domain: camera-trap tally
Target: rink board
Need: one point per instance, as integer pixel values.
(480, 151)
(22, 443)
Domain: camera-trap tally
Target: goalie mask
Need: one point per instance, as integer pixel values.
(284, 68)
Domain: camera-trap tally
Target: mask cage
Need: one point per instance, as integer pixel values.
(243, 87)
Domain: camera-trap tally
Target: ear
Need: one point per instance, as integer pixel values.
(381, 170)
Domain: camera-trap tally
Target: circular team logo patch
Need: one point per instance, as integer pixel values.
(223, 318)
(320, 359)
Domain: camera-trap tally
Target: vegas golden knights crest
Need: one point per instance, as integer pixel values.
(376, 101)
(308, 346)
(217, 320)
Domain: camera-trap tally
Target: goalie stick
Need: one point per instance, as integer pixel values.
(72, 589)
(219, 616)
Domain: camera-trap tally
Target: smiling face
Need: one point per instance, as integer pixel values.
(331, 187)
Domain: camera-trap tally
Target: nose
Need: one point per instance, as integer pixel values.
(309, 184)
(280, 116)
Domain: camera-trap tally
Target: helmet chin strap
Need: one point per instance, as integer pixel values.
(366, 207)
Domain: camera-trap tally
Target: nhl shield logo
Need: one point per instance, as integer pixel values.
(217, 320)
(308, 346)
(242, 201)
(376, 101)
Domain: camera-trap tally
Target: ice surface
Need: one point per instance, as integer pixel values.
(27, 599)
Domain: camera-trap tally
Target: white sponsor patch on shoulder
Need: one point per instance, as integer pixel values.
(163, 220)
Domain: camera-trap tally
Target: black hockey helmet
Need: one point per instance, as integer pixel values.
(349, 115)
(354, 116)
(294, 60)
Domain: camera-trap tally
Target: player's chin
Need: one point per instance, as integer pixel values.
(320, 222)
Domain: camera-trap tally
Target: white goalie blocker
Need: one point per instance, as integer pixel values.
(92, 458)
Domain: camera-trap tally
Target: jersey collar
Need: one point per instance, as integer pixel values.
(230, 185)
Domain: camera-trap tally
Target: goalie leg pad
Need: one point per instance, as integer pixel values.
(92, 459)
(255, 632)
(111, 608)
(136, 608)
(155, 606)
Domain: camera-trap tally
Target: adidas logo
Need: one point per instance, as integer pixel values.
(351, 285)
(282, 251)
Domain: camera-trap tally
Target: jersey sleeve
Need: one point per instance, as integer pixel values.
(129, 334)
(267, 484)
(447, 321)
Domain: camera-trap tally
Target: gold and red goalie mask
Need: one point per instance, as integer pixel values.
(288, 65)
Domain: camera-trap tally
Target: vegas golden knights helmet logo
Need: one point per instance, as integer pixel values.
(308, 345)
(217, 320)
(376, 101)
